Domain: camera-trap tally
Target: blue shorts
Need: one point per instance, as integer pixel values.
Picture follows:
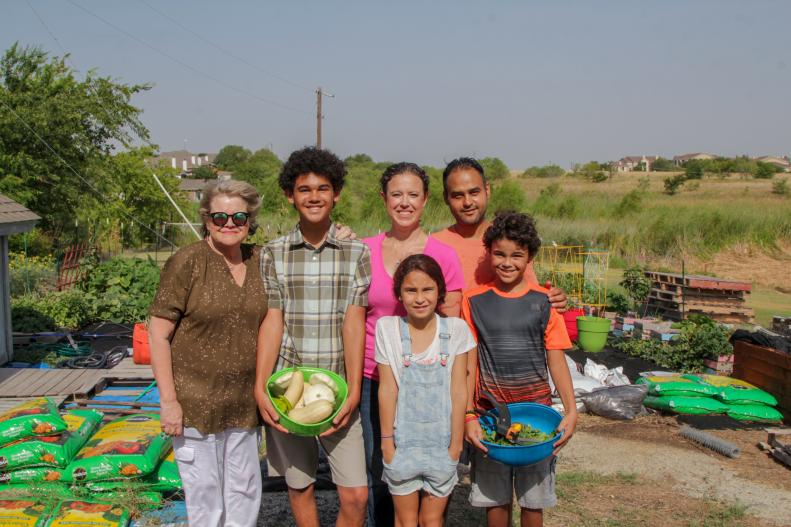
(438, 478)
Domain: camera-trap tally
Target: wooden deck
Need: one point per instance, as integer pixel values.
(20, 384)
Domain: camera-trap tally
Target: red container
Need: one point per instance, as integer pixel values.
(570, 318)
(141, 353)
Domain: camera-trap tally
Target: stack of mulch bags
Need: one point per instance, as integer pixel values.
(68, 469)
(710, 394)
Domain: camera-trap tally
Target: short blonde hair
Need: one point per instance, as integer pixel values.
(230, 187)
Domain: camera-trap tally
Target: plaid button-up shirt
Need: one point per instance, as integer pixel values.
(314, 286)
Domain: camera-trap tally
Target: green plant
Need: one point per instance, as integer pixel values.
(630, 203)
(507, 195)
(780, 187)
(63, 309)
(31, 274)
(700, 338)
(121, 289)
(673, 184)
(617, 302)
(636, 284)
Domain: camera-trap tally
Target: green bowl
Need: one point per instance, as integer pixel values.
(314, 429)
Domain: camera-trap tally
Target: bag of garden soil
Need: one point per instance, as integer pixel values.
(23, 513)
(686, 405)
(167, 477)
(736, 391)
(37, 417)
(33, 475)
(676, 385)
(754, 412)
(79, 513)
(127, 447)
(53, 451)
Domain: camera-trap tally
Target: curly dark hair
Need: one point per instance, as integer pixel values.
(518, 227)
(311, 159)
(456, 164)
(403, 168)
(420, 262)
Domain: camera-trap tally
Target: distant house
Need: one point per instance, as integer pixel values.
(193, 188)
(632, 163)
(783, 163)
(698, 156)
(14, 219)
(185, 161)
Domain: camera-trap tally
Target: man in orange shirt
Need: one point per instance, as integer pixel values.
(467, 194)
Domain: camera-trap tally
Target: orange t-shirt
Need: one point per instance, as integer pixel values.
(474, 259)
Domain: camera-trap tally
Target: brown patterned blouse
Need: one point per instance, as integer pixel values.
(214, 344)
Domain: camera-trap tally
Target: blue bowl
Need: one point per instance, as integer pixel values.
(536, 415)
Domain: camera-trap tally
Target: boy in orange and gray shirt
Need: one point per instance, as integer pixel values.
(521, 340)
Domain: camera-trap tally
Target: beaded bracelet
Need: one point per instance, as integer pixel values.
(470, 417)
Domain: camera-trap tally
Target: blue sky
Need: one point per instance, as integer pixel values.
(530, 82)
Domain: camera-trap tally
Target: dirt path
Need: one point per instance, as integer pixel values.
(691, 472)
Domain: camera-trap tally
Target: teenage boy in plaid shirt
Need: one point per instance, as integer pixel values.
(317, 290)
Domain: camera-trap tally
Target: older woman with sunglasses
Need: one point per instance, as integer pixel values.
(203, 330)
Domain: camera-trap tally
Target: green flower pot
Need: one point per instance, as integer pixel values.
(593, 333)
(314, 429)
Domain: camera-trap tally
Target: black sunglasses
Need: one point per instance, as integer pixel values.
(221, 218)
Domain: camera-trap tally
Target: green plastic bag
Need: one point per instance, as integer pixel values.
(686, 405)
(676, 385)
(81, 513)
(33, 475)
(736, 395)
(127, 447)
(53, 451)
(754, 412)
(29, 512)
(37, 417)
(167, 477)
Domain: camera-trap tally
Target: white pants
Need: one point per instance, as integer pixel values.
(221, 477)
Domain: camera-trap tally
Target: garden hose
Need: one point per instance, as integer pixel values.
(97, 360)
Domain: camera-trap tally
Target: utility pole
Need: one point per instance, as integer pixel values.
(319, 116)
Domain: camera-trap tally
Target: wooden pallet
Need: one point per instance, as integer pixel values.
(32, 382)
(698, 281)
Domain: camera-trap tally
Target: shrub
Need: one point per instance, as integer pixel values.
(780, 187)
(636, 284)
(494, 168)
(765, 171)
(544, 172)
(631, 202)
(507, 195)
(694, 169)
(673, 184)
(63, 309)
(121, 289)
(617, 302)
(31, 274)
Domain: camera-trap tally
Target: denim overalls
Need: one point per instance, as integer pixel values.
(422, 431)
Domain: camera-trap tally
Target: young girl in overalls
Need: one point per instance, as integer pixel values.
(422, 363)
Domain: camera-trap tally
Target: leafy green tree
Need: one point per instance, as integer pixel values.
(636, 284)
(662, 165)
(202, 172)
(494, 168)
(231, 156)
(765, 170)
(260, 169)
(83, 120)
(544, 172)
(507, 195)
(694, 169)
(593, 171)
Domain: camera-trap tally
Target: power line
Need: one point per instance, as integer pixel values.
(80, 176)
(185, 64)
(51, 34)
(225, 51)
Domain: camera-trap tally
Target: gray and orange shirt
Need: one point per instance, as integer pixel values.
(513, 332)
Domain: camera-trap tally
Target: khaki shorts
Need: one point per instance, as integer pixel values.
(297, 457)
(493, 483)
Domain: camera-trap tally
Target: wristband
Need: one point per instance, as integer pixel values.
(385, 437)
(470, 417)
